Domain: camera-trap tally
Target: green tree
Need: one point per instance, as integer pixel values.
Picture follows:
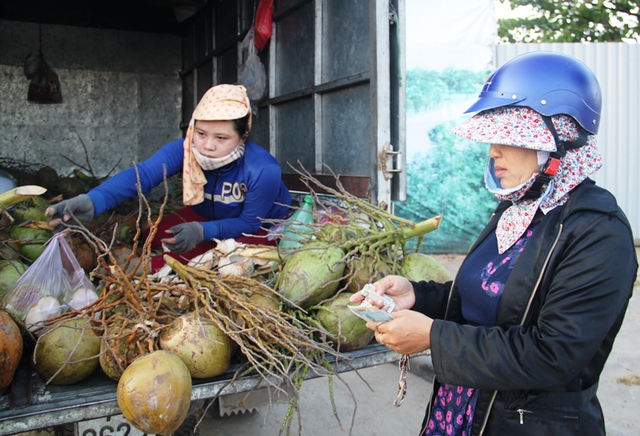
(427, 88)
(424, 89)
(572, 21)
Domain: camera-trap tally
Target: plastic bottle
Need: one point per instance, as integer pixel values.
(298, 225)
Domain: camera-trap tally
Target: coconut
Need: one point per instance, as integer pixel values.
(9, 250)
(47, 174)
(235, 264)
(364, 270)
(31, 209)
(271, 302)
(81, 298)
(347, 331)
(115, 351)
(32, 241)
(84, 253)
(154, 392)
(10, 272)
(46, 308)
(312, 274)
(11, 347)
(69, 350)
(419, 266)
(202, 346)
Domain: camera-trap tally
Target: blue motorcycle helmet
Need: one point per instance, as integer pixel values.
(549, 83)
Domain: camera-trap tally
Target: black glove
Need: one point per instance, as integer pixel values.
(187, 236)
(81, 208)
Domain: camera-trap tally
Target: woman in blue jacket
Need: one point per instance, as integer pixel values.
(229, 183)
(518, 340)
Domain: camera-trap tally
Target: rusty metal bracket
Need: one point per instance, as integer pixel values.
(388, 154)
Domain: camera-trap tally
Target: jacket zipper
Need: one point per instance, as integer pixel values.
(433, 379)
(521, 412)
(524, 317)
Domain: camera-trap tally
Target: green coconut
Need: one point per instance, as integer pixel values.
(69, 350)
(10, 272)
(30, 210)
(365, 270)
(312, 274)
(8, 249)
(346, 330)
(154, 392)
(420, 266)
(202, 346)
(32, 242)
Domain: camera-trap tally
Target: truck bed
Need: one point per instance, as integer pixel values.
(30, 404)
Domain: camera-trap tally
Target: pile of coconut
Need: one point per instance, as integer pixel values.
(278, 313)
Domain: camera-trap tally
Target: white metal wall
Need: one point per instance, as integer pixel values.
(617, 67)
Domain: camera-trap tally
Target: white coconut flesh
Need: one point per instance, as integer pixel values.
(46, 308)
(82, 298)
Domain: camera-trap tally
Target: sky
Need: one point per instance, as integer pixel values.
(454, 33)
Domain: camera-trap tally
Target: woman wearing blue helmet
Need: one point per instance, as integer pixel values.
(518, 340)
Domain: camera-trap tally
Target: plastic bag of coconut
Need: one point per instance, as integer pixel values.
(53, 284)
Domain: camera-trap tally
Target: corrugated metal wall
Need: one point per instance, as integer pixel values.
(617, 66)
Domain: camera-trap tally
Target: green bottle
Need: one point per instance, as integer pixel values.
(298, 228)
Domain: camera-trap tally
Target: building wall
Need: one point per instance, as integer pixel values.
(121, 97)
(617, 67)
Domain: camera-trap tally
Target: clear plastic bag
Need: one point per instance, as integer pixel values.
(52, 285)
(251, 73)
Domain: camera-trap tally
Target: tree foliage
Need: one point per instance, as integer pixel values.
(448, 180)
(427, 88)
(573, 21)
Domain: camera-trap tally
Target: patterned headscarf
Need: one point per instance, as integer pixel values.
(222, 102)
(524, 127)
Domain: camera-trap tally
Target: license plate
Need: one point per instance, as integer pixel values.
(109, 426)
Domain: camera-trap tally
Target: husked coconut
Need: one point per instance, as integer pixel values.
(46, 308)
(235, 264)
(227, 246)
(82, 297)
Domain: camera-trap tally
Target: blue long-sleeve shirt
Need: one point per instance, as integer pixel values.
(237, 196)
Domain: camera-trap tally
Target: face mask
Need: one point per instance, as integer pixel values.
(212, 163)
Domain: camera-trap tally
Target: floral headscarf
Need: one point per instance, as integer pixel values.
(222, 102)
(524, 127)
